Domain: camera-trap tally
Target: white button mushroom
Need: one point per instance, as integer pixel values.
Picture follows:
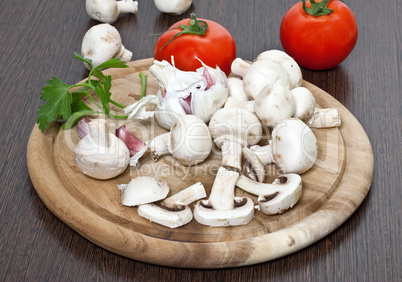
(222, 208)
(100, 154)
(273, 104)
(287, 62)
(174, 211)
(261, 73)
(189, 141)
(142, 190)
(107, 11)
(232, 129)
(174, 7)
(293, 147)
(277, 197)
(101, 43)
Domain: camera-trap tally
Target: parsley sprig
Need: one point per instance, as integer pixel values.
(66, 106)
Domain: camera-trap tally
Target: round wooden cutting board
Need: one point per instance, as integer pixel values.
(332, 190)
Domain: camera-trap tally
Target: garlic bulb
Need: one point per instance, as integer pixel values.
(199, 93)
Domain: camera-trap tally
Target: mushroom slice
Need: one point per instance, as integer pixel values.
(174, 211)
(142, 190)
(222, 208)
(277, 197)
(100, 154)
(254, 164)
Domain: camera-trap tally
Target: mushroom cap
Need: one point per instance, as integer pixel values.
(236, 123)
(102, 162)
(294, 146)
(173, 7)
(288, 63)
(104, 11)
(189, 142)
(288, 194)
(273, 104)
(101, 43)
(304, 102)
(240, 215)
(143, 190)
(162, 215)
(261, 73)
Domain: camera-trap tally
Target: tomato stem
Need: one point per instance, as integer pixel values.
(317, 8)
(196, 27)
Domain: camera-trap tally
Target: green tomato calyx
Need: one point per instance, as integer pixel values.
(317, 8)
(196, 27)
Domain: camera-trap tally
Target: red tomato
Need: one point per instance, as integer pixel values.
(319, 42)
(215, 48)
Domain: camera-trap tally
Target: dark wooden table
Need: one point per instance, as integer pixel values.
(37, 42)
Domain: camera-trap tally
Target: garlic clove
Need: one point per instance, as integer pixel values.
(205, 103)
(82, 127)
(136, 148)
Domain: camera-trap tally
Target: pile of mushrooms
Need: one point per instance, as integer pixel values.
(265, 100)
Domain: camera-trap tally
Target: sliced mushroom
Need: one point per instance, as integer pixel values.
(232, 129)
(174, 211)
(277, 197)
(100, 154)
(254, 165)
(222, 208)
(142, 190)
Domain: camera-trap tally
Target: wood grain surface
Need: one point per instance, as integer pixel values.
(37, 40)
(332, 190)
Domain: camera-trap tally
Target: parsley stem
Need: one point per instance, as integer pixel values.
(117, 104)
(143, 84)
(118, 116)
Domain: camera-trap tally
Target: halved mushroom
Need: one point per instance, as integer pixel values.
(100, 154)
(275, 198)
(174, 211)
(232, 129)
(142, 190)
(223, 208)
(189, 141)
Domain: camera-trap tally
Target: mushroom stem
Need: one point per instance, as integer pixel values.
(159, 146)
(222, 193)
(324, 118)
(231, 155)
(239, 67)
(127, 6)
(98, 130)
(186, 196)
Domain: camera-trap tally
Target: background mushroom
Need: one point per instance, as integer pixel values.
(174, 211)
(107, 11)
(100, 154)
(174, 7)
(101, 43)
